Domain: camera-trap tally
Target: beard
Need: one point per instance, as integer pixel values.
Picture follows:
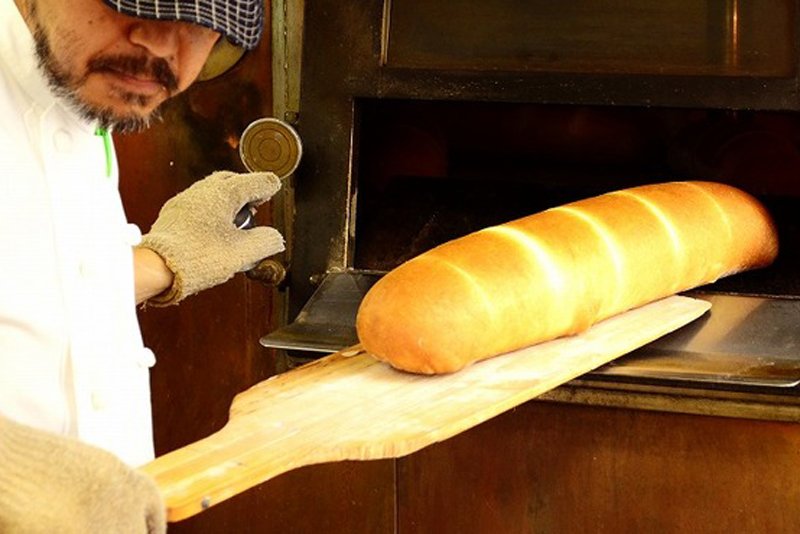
(66, 85)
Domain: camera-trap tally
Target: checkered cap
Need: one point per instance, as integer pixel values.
(241, 21)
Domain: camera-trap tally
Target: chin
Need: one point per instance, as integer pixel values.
(122, 113)
(121, 119)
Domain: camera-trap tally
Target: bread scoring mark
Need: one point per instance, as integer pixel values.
(486, 299)
(722, 213)
(674, 237)
(539, 251)
(608, 240)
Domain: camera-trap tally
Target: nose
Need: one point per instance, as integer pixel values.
(159, 38)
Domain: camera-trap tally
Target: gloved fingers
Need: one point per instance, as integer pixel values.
(221, 194)
(253, 188)
(133, 503)
(259, 243)
(51, 483)
(154, 512)
(197, 237)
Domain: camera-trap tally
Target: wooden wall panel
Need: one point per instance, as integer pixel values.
(338, 498)
(556, 468)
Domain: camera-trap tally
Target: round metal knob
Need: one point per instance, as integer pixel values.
(272, 145)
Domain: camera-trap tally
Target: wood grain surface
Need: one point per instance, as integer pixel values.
(348, 406)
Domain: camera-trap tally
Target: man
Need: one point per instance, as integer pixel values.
(73, 368)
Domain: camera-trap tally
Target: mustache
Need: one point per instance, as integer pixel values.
(141, 66)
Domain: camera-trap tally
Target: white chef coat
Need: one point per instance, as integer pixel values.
(72, 359)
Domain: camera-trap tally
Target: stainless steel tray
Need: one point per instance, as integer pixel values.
(742, 341)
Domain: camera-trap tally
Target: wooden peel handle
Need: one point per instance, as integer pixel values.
(272, 429)
(216, 468)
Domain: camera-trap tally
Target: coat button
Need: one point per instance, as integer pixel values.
(99, 401)
(84, 269)
(146, 358)
(132, 234)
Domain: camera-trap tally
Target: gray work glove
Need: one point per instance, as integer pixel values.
(196, 236)
(51, 483)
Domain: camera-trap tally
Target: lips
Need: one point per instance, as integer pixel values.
(138, 75)
(136, 84)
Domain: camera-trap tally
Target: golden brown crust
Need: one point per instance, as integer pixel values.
(558, 272)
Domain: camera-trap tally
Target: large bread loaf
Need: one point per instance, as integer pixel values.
(558, 272)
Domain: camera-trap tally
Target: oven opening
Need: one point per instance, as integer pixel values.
(426, 172)
(430, 171)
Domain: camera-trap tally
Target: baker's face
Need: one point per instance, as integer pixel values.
(115, 68)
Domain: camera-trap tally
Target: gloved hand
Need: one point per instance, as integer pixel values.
(196, 236)
(51, 483)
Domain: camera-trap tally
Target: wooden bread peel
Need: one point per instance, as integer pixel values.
(348, 406)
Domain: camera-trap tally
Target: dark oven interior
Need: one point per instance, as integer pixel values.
(430, 171)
